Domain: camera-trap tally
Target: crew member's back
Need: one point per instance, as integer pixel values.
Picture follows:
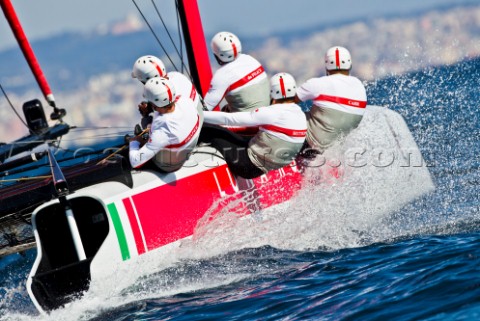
(241, 79)
(339, 101)
(174, 131)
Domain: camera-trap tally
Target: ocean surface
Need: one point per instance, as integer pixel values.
(419, 262)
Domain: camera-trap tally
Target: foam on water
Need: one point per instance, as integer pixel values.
(380, 169)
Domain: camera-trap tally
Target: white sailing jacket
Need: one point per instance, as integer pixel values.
(340, 92)
(172, 137)
(185, 88)
(242, 82)
(282, 131)
(339, 103)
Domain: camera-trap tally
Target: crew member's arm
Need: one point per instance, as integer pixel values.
(258, 117)
(306, 91)
(216, 92)
(139, 156)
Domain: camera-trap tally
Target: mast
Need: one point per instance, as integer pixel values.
(195, 44)
(32, 61)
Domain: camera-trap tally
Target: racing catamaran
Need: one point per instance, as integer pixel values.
(89, 217)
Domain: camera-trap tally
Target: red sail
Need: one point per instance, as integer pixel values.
(198, 60)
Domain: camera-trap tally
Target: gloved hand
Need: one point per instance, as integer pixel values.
(147, 121)
(142, 139)
(145, 108)
(138, 130)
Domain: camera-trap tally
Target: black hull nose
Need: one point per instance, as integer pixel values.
(55, 288)
(60, 276)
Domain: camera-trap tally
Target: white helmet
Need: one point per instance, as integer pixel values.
(226, 46)
(338, 58)
(159, 91)
(282, 85)
(147, 67)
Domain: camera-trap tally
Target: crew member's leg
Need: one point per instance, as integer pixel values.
(233, 147)
(210, 132)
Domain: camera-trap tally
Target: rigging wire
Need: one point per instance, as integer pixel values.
(13, 108)
(169, 35)
(89, 137)
(23, 179)
(179, 52)
(98, 127)
(92, 155)
(51, 141)
(155, 35)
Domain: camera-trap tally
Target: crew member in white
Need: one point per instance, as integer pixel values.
(174, 131)
(339, 102)
(282, 130)
(147, 67)
(241, 79)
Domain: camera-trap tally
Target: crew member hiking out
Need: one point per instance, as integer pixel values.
(339, 102)
(174, 131)
(148, 67)
(282, 130)
(241, 79)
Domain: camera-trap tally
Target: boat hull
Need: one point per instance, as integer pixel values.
(160, 209)
(117, 224)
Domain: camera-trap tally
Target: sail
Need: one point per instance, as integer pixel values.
(196, 46)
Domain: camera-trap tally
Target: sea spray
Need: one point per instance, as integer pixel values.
(347, 193)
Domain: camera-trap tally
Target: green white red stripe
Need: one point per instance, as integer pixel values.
(165, 214)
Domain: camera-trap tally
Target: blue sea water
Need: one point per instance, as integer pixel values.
(424, 265)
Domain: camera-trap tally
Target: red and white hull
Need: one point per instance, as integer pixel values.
(117, 224)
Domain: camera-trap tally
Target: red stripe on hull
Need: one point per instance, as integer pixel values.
(278, 186)
(137, 235)
(171, 212)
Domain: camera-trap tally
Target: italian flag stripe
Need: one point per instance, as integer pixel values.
(122, 240)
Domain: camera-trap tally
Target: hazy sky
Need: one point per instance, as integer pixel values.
(41, 18)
